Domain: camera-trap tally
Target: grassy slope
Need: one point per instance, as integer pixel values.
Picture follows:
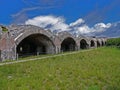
(93, 70)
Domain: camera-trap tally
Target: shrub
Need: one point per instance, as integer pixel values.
(113, 42)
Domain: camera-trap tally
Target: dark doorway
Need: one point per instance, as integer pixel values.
(34, 45)
(68, 45)
(102, 43)
(98, 44)
(83, 44)
(92, 43)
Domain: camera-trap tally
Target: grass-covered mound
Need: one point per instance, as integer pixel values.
(113, 42)
(97, 69)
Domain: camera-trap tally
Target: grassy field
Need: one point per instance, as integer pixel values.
(97, 69)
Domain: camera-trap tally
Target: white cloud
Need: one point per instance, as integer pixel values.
(84, 29)
(49, 22)
(78, 22)
(58, 24)
(100, 27)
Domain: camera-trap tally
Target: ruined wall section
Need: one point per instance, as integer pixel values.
(22, 31)
(16, 33)
(7, 47)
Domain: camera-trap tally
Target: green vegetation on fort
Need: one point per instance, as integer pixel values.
(113, 42)
(4, 29)
(98, 69)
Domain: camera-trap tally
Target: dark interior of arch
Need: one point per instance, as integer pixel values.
(98, 44)
(68, 45)
(33, 45)
(92, 43)
(102, 43)
(83, 44)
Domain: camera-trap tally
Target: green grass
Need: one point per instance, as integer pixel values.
(97, 69)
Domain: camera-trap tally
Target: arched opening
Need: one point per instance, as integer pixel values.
(92, 43)
(98, 44)
(83, 44)
(68, 44)
(35, 44)
(102, 43)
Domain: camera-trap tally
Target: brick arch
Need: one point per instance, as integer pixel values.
(98, 42)
(103, 41)
(66, 39)
(30, 31)
(63, 35)
(85, 38)
(92, 43)
(84, 43)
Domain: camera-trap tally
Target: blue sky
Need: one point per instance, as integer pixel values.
(92, 11)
